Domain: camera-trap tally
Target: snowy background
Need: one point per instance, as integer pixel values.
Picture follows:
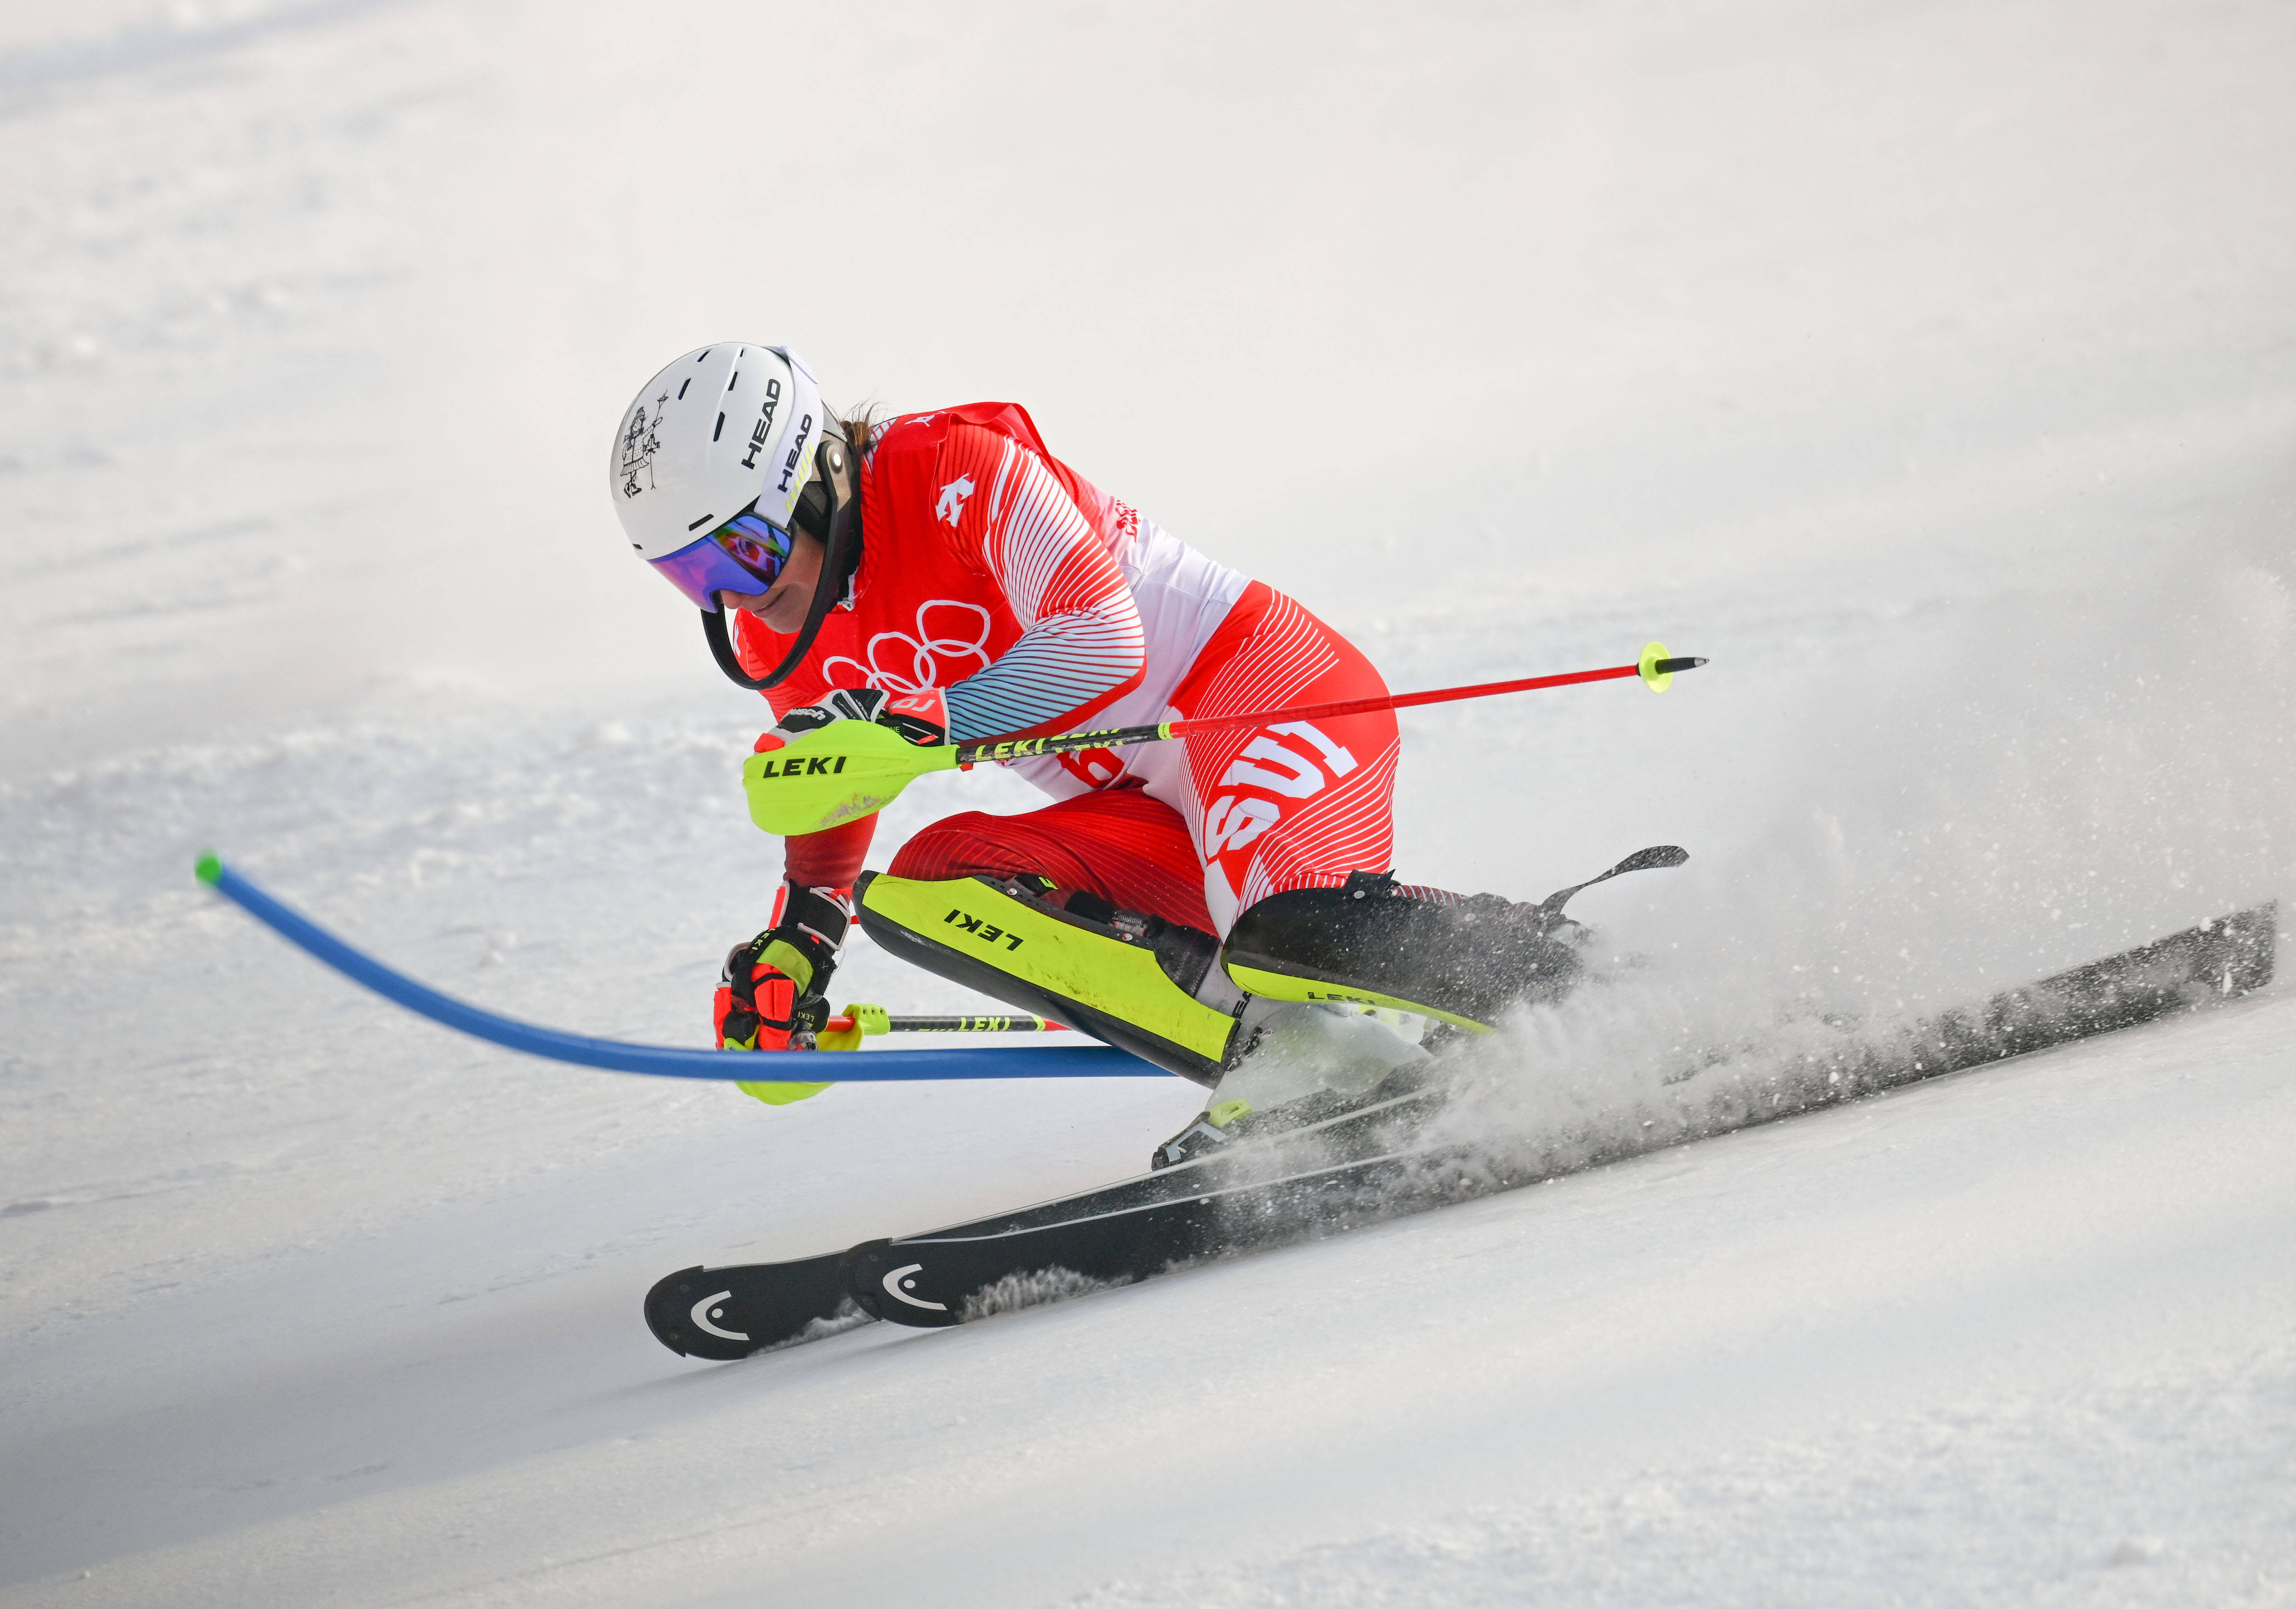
(1931, 367)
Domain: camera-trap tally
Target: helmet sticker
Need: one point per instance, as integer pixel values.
(641, 440)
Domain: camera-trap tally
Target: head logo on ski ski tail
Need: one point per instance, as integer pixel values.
(902, 1280)
(707, 1308)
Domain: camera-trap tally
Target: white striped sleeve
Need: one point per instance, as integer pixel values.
(1083, 643)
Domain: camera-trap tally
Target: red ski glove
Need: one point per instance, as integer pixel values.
(769, 997)
(761, 1006)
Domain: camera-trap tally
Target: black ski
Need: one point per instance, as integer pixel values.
(952, 1274)
(732, 1312)
(1363, 1167)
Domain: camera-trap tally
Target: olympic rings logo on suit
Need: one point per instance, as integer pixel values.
(925, 654)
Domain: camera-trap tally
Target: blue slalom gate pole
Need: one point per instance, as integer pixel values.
(666, 1061)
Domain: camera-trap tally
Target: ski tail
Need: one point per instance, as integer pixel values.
(727, 1313)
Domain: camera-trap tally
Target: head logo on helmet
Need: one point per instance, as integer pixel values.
(760, 431)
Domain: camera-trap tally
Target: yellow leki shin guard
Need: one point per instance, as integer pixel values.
(1149, 986)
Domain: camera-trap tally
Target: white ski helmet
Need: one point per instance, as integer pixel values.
(727, 432)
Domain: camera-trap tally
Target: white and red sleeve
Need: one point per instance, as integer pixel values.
(1081, 646)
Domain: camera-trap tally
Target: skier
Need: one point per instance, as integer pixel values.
(945, 575)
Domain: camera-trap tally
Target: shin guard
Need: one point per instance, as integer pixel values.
(1139, 982)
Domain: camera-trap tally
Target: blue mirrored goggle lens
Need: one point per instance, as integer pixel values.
(762, 548)
(746, 555)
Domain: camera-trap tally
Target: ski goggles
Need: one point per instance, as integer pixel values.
(744, 556)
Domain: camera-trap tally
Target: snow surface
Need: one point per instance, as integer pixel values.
(1932, 368)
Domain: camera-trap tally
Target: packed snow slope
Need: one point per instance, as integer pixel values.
(1933, 369)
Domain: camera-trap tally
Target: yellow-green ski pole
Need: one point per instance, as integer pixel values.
(876, 1020)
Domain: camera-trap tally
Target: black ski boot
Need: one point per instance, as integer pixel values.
(1369, 943)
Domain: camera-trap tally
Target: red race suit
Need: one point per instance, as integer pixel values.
(1038, 604)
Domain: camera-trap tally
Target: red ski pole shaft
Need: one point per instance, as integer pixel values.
(1398, 701)
(1652, 668)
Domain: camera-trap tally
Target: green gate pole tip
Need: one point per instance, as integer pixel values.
(210, 869)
